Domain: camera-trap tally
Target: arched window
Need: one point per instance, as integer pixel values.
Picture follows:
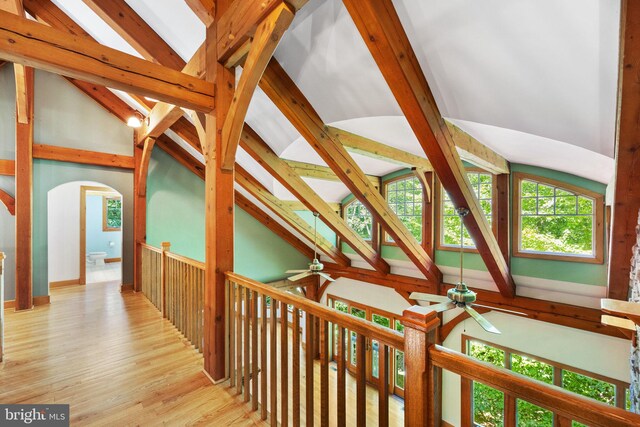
(405, 197)
(556, 220)
(359, 219)
(483, 186)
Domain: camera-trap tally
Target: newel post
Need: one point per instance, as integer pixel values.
(166, 246)
(419, 334)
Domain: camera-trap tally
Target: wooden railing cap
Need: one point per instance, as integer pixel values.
(419, 317)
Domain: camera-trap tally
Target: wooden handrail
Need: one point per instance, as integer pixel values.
(186, 260)
(547, 396)
(151, 248)
(368, 329)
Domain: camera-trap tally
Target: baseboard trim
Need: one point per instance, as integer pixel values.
(108, 260)
(126, 287)
(64, 283)
(42, 300)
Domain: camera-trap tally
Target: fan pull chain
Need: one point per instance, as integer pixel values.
(462, 212)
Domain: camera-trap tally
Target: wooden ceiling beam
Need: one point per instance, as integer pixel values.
(473, 151)
(204, 9)
(8, 167)
(376, 150)
(278, 168)
(322, 172)
(34, 44)
(284, 93)
(274, 204)
(8, 200)
(295, 205)
(161, 118)
(380, 27)
(264, 44)
(86, 157)
(15, 7)
(135, 31)
(143, 170)
(626, 193)
(262, 217)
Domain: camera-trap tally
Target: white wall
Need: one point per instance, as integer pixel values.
(365, 293)
(99, 240)
(592, 352)
(63, 230)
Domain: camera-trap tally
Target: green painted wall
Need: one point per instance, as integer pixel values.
(175, 213)
(576, 272)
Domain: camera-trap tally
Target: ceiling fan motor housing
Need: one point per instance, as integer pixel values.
(316, 265)
(461, 294)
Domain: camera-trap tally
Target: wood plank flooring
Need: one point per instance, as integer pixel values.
(114, 359)
(117, 362)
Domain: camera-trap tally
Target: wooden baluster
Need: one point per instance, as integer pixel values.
(239, 339)
(166, 246)
(383, 385)
(254, 350)
(247, 350)
(341, 383)
(361, 381)
(308, 367)
(295, 342)
(324, 372)
(232, 333)
(273, 355)
(263, 358)
(466, 390)
(284, 364)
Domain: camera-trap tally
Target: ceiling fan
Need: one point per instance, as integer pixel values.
(460, 296)
(315, 267)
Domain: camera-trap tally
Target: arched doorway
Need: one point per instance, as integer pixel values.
(84, 231)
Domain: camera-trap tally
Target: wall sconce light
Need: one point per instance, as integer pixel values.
(135, 121)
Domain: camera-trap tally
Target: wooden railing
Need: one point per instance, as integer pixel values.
(266, 364)
(567, 405)
(152, 274)
(262, 349)
(175, 285)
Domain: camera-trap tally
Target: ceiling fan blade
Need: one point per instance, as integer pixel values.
(486, 325)
(518, 313)
(326, 276)
(443, 306)
(428, 297)
(300, 276)
(295, 271)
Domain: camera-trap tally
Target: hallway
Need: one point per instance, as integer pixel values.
(112, 357)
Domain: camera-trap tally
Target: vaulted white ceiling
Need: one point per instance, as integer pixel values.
(535, 80)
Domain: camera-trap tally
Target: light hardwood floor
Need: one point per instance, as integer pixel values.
(112, 357)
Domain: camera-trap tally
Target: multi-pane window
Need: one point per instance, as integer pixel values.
(359, 219)
(489, 406)
(405, 198)
(112, 213)
(556, 219)
(482, 184)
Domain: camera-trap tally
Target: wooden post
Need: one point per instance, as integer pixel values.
(166, 247)
(219, 205)
(24, 202)
(420, 333)
(140, 217)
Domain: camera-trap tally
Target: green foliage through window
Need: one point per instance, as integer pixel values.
(405, 198)
(554, 220)
(359, 219)
(114, 213)
(489, 404)
(482, 184)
